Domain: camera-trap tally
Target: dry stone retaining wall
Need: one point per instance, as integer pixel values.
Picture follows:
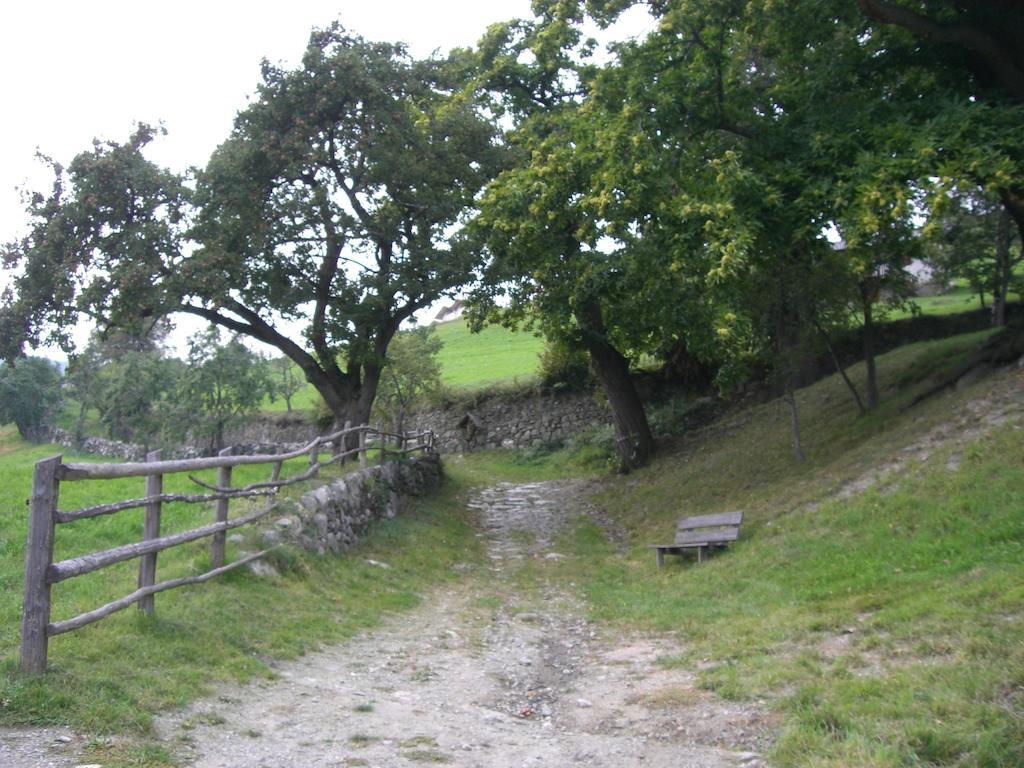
(336, 516)
(504, 422)
(496, 421)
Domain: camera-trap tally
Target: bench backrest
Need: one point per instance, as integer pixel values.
(710, 529)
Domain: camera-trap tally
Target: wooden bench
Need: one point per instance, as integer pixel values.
(702, 533)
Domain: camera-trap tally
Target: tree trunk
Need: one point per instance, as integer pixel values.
(868, 339)
(794, 424)
(634, 442)
(1001, 284)
(841, 370)
(80, 425)
(1013, 202)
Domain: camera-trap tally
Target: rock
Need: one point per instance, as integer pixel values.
(263, 570)
(584, 703)
(377, 564)
(284, 522)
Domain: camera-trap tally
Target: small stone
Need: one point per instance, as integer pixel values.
(584, 703)
(377, 564)
(554, 556)
(284, 522)
(263, 570)
(525, 661)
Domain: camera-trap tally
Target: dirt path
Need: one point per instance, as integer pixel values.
(484, 674)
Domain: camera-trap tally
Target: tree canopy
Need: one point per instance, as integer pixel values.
(732, 187)
(335, 202)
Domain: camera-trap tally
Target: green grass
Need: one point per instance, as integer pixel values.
(114, 675)
(919, 582)
(957, 299)
(468, 361)
(885, 629)
(496, 355)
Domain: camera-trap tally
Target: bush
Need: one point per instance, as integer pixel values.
(594, 447)
(565, 367)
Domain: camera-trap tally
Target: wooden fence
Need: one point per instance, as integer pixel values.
(41, 573)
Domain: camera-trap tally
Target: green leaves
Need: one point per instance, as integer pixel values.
(29, 395)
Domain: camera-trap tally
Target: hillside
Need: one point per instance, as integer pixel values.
(875, 603)
(495, 355)
(871, 613)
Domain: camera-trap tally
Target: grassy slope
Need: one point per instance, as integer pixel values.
(495, 355)
(920, 582)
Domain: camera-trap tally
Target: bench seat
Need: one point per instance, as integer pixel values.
(702, 533)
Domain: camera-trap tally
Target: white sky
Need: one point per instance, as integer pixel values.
(77, 70)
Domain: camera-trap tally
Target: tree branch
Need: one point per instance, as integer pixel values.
(1001, 60)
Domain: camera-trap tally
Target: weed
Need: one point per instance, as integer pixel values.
(362, 740)
(426, 756)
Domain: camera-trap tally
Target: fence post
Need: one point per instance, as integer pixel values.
(340, 443)
(382, 442)
(38, 555)
(217, 545)
(362, 446)
(151, 530)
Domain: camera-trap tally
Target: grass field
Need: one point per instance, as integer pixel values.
(496, 355)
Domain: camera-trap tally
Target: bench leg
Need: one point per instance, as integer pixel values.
(661, 558)
(700, 555)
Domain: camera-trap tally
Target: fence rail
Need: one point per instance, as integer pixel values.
(41, 572)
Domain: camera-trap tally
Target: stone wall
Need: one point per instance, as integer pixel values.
(335, 517)
(510, 421)
(502, 420)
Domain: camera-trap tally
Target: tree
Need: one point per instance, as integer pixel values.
(220, 384)
(973, 240)
(975, 52)
(334, 201)
(82, 383)
(546, 262)
(30, 395)
(286, 380)
(412, 373)
(94, 381)
(133, 389)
